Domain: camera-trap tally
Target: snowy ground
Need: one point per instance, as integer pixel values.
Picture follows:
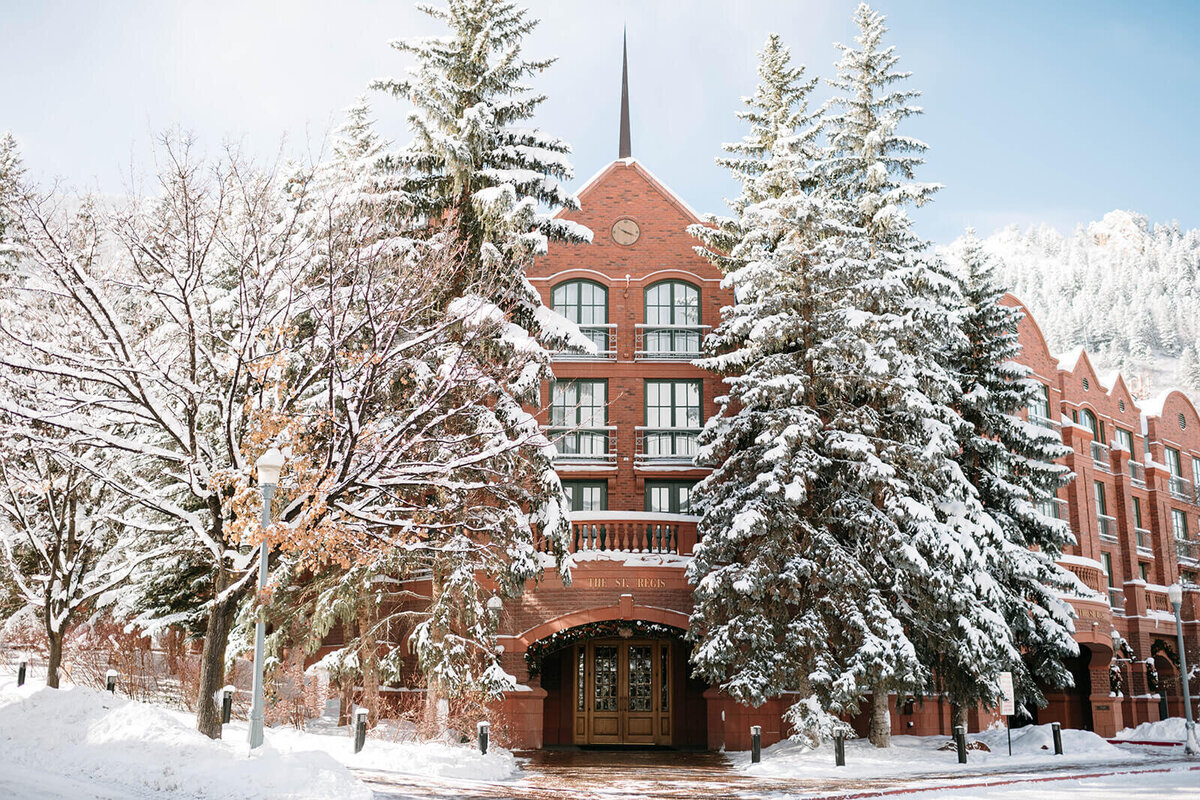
(80, 743)
(1032, 747)
(84, 744)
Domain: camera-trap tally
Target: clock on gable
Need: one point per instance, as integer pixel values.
(625, 231)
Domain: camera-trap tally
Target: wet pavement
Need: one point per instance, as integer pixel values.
(576, 774)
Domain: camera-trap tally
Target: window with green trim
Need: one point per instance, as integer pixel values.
(586, 304)
(672, 317)
(578, 416)
(586, 495)
(669, 497)
(672, 419)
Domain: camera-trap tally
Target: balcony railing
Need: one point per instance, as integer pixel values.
(669, 342)
(1137, 474)
(603, 336)
(1108, 527)
(1143, 542)
(1187, 550)
(1092, 577)
(630, 532)
(584, 445)
(1044, 422)
(1181, 488)
(666, 445)
(1100, 457)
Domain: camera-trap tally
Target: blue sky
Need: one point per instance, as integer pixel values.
(1036, 111)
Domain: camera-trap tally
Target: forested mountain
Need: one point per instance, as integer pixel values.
(1126, 289)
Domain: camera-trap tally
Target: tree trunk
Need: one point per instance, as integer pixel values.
(433, 686)
(55, 660)
(959, 717)
(369, 659)
(346, 688)
(881, 718)
(212, 666)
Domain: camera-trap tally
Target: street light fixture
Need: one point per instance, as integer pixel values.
(269, 465)
(1175, 596)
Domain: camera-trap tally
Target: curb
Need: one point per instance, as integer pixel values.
(991, 784)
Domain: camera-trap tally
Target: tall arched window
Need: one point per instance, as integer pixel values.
(586, 304)
(672, 328)
(1088, 419)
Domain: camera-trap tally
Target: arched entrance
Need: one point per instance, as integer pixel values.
(619, 682)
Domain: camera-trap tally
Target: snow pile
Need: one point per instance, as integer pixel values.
(919, 755)
(1172, 729)
(55, 742)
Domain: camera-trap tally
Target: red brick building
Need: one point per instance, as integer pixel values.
(608, 664)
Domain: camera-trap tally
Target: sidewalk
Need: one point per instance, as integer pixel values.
(673, 775)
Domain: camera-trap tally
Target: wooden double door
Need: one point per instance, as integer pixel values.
(623, 692)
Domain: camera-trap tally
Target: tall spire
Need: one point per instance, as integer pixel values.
(625, 151)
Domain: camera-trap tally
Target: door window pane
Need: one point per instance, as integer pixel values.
(669, 497)
(605, 678)
(641, 677)
(586, 495)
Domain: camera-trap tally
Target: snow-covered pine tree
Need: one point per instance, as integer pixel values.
(488, 183)
(476, 169)
(780, 603)
(1011, 464)
(909, 514)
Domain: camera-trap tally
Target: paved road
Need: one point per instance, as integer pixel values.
(671, 775)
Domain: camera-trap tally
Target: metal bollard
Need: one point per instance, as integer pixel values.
(960, 741)
(360, 729)
(755, 744)
(226, 704)
(484, 729)
(22, 666)
(839, 748)
(1056, 729)
(110, 680)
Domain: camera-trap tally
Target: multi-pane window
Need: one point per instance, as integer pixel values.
(586, 495)
(1125, 441)
(1179, 523)
(1174, 462)
(1108, 569)
(672, 320)
(1039, 406)
(1137, 513)
(672, 419)
(1088, 419)
(1101, 500)
(1196, 470)
(586, 304)
(669, 497)
(578, 410)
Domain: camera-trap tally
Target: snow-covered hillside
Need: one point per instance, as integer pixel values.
(1127, 290)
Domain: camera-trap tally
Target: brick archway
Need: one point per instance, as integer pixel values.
(621, 611)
